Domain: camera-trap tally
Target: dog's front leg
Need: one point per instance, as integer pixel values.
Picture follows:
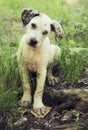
(39, 110)
(26, 98)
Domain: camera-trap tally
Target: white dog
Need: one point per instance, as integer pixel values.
(36, 54)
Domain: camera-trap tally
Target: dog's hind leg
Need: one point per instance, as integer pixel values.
(52, 80)
(56, 53)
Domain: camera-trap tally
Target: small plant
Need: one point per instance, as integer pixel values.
(7, 101)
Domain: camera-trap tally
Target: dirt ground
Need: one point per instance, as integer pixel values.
(64, 115)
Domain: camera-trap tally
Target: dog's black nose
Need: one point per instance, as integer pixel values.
(33, 42)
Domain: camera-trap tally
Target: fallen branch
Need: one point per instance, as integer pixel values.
(67, 98)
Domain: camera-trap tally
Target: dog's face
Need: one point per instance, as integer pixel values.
(39, 25)
(38, 29)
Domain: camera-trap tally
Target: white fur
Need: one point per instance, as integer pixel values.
(36, 58)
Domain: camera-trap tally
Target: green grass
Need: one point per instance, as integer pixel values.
(74, 20)
(73, 62)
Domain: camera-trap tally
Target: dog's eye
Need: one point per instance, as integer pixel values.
(45, 32)
(33, 25)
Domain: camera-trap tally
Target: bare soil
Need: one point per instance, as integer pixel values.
(64, 115)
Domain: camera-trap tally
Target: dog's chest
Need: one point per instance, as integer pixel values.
(34, 60)
(34, 65)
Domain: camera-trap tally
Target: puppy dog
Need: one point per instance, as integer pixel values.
(36, 54)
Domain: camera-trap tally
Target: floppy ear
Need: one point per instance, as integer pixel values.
(56, 27)
(27, 15)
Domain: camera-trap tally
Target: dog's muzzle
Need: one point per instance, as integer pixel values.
(33, 42)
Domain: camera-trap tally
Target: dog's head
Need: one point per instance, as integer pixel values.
(39, 25)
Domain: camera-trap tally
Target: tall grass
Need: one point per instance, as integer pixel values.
(72, 63)
(9, 79)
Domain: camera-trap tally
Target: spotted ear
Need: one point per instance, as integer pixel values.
(56, 27)
(27, 15)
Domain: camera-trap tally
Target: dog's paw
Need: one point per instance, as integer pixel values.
(24, 104)
(25, 101)
(53, 80)
(41, 112)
